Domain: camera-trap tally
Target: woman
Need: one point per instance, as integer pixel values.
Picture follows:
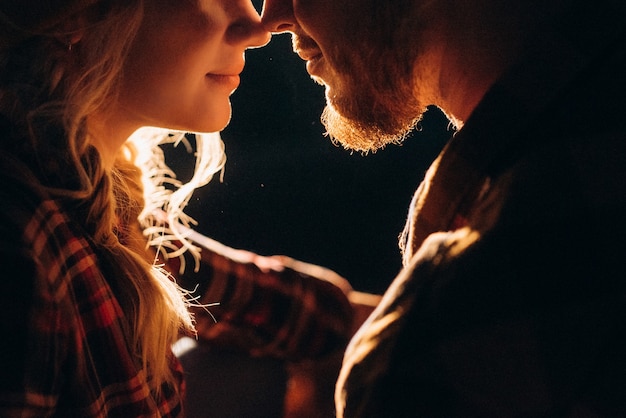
(90, 317)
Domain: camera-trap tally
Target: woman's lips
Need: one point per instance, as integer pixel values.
(230, 81)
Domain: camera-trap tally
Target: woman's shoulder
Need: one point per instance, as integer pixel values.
(19, 195)
(32, 223)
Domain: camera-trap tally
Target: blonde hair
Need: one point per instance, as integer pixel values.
(164, 222)
(48, 92)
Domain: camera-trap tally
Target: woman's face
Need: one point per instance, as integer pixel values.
(185, 63)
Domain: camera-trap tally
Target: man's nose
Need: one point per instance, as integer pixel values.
(277, 16)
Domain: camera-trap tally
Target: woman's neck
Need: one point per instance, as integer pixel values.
(108, 134)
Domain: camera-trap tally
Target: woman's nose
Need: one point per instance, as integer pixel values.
(278, 16)
(247, 28)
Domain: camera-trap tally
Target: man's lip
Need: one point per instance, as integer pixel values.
(306, 47)
(309, 55)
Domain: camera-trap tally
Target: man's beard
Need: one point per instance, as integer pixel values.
(376, 110)
(363, 135)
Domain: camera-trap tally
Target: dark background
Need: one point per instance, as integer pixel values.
(288, 190)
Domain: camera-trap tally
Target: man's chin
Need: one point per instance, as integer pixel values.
(363, 136)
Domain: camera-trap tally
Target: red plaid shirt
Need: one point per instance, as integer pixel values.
(64, 348)
(298, 312)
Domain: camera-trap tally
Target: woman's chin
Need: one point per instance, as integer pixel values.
(214, 124)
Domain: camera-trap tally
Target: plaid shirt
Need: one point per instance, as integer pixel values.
(64, 351)
(512, 301)
(299, 311)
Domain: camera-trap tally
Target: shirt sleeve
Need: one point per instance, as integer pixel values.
(271, 306)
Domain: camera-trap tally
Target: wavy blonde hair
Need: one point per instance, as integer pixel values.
(48, 93)
(163, 219)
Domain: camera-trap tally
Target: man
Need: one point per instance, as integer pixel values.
(512, 298)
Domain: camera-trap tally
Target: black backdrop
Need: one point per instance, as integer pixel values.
(288, 190)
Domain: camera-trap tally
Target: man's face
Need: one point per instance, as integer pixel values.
(364, 52)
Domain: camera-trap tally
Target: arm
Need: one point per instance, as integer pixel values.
(274, 306)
